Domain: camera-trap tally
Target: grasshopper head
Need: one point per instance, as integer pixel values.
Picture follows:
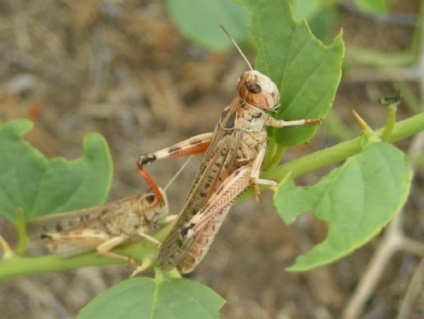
(153, 210)
(258, 90)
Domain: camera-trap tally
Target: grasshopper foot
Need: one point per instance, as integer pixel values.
(146, 263)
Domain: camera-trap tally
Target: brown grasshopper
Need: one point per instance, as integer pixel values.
(102, 228)
(232, 162)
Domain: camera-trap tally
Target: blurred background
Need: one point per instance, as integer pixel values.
(147, 74)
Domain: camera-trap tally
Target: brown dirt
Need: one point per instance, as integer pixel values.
(125, 71)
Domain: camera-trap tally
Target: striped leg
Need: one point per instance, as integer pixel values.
(193, 145)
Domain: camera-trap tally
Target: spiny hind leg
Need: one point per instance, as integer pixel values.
(193, 145)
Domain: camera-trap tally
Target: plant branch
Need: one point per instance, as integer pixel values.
(342, 151)
(15, 266)
(391, 243)
(413, 292)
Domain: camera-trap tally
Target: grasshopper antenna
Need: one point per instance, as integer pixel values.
(238, 48)
(178, 173)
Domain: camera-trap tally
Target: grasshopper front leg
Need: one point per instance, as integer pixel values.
(281, 123)
(193, 145)
(105, 248)
(254, 174)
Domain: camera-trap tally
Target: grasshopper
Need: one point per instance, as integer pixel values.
(234, 154)
(102, 228)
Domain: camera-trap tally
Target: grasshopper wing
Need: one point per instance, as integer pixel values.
(196, 236)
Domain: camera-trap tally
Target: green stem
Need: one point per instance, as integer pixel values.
(390, 123)
(22, 236)
(23, 266)
(271, 148)
(380, 59)
(276, 158)
(342, 151)
(15, 266)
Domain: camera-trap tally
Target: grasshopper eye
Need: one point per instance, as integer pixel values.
(253, 87)
(150, 198)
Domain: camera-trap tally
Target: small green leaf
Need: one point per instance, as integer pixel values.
(39, 186)
(200, 20)
(357, 200)
(373, 6)
(146, 298)
(306, 71)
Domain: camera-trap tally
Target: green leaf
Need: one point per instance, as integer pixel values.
(39, 186)
(305, 9)
(146, 298)
(306, 71)
(373, 6)
(356, 199)
(200, 20)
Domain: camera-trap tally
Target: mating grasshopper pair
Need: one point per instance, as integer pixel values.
(232, 162)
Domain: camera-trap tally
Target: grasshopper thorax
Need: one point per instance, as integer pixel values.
(258, 90)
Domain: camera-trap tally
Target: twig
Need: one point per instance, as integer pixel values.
(416, 287)
(391, 242)
(20, 25)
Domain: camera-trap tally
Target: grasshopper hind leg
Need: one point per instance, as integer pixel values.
(194, 145)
